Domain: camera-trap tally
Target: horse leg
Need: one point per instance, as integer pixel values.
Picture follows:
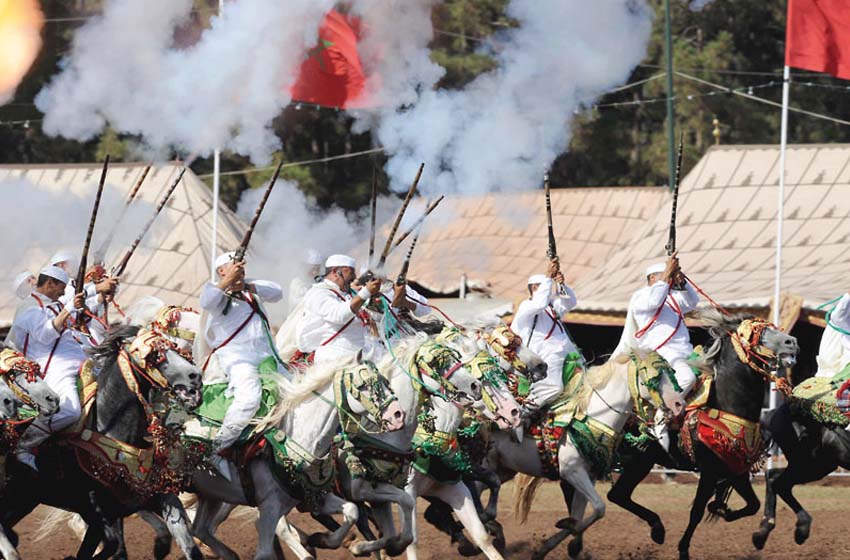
(744, 488)
(414, 489)
(705, 490)
(294, 538)
(7, 549)
(162, 538)
(576, 503)
(768, 521)
(622, 490)
(177, 522)
(331, 504)
(382, 496)
(457, 496)
(204, 515)
(784, 486)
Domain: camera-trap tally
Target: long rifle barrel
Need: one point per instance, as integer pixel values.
(122, 266)
(246, 239)
(100, 254)
(374, 204)
(400, 215)
(671, 238)
(552, 252)
(405, 267)
(418, 221)
(81, 271)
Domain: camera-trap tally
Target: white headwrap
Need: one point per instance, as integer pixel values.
(224, 258)
(340, 260)
(62, 256)
(537, 278)
(313, 257)
(21, 286)
(656, 268)
(56, 273)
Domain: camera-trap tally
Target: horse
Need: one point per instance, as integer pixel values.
(135, 369)
(813, 450)
(305, 421)
(741, 359)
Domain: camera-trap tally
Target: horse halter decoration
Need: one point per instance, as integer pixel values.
(167, 323)
(439, 363)
(747, 342)
(506, 344)
(12, 364)
(142, 358)
(369, 388)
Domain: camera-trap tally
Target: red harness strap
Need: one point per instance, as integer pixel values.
(670, 302)
(347, 323)
(555, 322)
(232, 336)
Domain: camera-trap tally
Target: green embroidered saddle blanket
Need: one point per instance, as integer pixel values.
(817, 399)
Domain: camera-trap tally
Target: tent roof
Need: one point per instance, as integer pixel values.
(172, 265)
(727, 230)
(501, 239)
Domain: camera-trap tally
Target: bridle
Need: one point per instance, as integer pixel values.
(747, 342)
(13, 364)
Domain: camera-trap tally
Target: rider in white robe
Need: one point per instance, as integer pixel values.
(311, 268)
(834, 352)
(42, 332)
(538, 322)
(237, 330)
(334, 324)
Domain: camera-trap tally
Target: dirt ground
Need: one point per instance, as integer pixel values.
(618, 536)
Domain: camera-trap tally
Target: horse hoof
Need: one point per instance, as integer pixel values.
(356, 549)
(759, 540)
(161, 547)
(801, 534)
(397, 545)
(574, 548)
(657, 532)
(684, 555)
(566, 524)
(466, 549)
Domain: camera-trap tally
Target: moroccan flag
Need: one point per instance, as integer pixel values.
(332, 74)
(818, 36)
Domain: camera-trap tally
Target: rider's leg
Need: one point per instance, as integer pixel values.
(244, 384)
(65, 387)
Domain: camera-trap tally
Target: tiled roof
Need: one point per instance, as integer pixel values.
(727, 230)
(502, 238)
(174, 268)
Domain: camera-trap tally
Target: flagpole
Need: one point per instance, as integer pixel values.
(216, 191)
(780, 218)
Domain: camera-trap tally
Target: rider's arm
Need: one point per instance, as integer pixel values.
(212, 297)
(326, 305)
(39, 325)
(540, 298)
(648, 300)
(840, 316)
(688, 299)
(267, 290)
(566, 302)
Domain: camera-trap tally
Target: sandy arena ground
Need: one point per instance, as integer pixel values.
(618, 536)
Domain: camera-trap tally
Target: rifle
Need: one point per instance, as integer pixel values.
(671, 237)
(81, 271)
(418, 221)
(398, 218)
(552, 252)
(246, 239)
(402, 276)
(100, 254)
(119, 269)
(374, 205)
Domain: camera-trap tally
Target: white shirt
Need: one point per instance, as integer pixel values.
(834, 351)
(643, 307)
(35, 336)
(538, 320)
(329, 326)
(250, 344)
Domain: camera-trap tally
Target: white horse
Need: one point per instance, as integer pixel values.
(606, 400)
(309, 417)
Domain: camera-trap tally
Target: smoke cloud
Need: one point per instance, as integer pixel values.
(502, 130)
(222, 92)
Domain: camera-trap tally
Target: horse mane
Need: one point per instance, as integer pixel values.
(143, 311)
(108, 349)
(718, 326)
(403, 352)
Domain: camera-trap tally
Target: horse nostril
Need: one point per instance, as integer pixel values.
(514, 412)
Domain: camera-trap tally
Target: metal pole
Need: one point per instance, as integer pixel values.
(671, 124)
(216, 189)
(780, 218)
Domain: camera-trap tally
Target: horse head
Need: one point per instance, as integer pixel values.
(507, 347)
(367, 392)
(24, 379)
(497, 403)
(160, 362)
(442, 371)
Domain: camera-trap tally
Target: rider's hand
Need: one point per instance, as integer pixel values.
(672, 268)
(79, 301)
(559, 277)
(233, 273)
(553, 268)
(107, 285)
(374, 286)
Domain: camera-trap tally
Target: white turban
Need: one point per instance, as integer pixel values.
(224, 258)
(313, 257)
(20, 285)
(340, 260)
(656, 268)
(56, 273)
(62, 256)
(537, 278)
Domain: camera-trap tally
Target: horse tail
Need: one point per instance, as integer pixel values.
(525, 487)
(57, 518)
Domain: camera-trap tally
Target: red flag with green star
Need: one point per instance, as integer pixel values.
(332, 74)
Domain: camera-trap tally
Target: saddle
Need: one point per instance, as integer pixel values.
(823, 399)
